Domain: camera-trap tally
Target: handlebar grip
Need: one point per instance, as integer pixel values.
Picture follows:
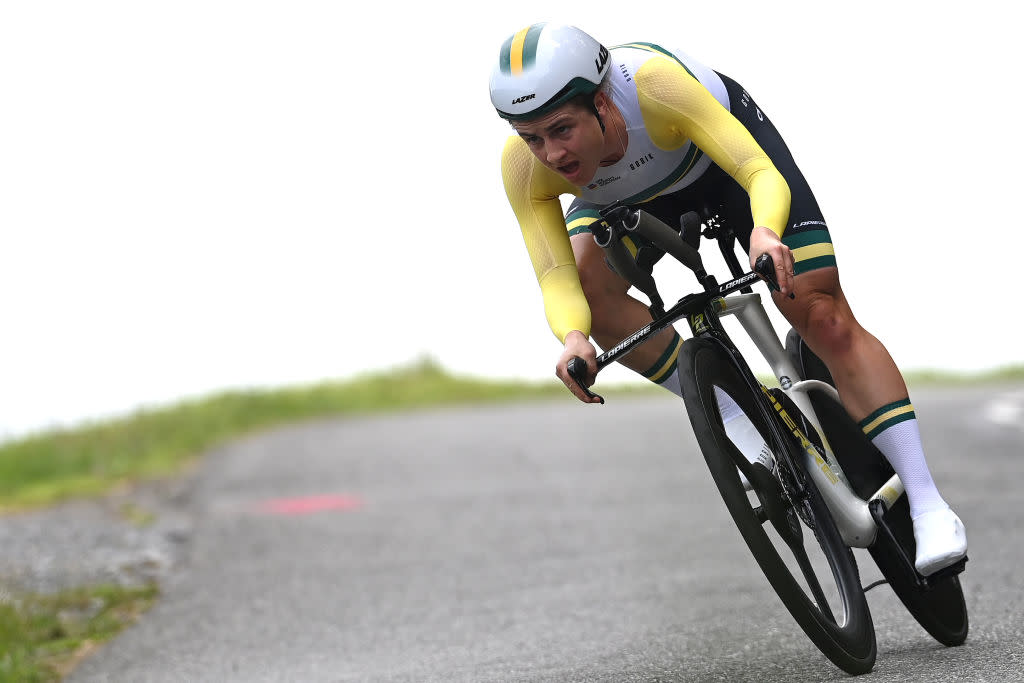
(578, 371)
(764, 266)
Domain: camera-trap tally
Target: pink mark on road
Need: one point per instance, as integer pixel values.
(310, 504)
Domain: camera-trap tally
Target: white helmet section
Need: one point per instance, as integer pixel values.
(543, 66)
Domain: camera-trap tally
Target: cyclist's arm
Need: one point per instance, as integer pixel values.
(676, 107)
(533, 192)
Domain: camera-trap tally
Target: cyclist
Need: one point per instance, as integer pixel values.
(653, 127)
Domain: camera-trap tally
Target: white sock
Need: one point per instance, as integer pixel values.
(895, 432)
(672, 383)
(901, 445)
(741, 431)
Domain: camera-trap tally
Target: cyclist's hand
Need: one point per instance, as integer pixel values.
(764, 241)
(577, 344)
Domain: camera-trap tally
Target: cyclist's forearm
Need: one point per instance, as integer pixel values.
(769, 195)
(565, 305)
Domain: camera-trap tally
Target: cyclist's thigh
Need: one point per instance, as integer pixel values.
(596, 275)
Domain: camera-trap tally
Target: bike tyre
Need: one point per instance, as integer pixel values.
(703, 365)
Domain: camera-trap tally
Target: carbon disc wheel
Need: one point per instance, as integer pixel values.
(794, 541)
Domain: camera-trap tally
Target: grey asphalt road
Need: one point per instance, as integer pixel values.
(550, 542)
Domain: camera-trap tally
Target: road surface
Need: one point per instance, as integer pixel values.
(548, 542)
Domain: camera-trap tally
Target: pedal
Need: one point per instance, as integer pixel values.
(877, 509)
(951, 570)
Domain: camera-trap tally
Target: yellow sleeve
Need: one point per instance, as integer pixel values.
(533, 192)
(676, 107)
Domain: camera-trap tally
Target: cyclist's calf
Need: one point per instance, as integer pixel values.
(865, 374)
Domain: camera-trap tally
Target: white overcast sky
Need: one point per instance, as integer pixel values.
(216, 194)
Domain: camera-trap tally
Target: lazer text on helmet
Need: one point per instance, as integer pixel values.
(602, 59)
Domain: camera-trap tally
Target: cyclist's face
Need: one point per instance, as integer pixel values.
(569, 141)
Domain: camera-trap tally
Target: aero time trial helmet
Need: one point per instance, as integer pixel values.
(542, 67)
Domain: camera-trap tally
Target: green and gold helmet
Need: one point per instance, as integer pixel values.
(543, 66)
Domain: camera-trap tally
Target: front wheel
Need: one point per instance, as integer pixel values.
(795, 542)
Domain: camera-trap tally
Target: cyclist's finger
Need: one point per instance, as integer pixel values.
(784, 269)
(589, 382)
(562, 371)
(782, 272)
(578, 392)
(790, 267)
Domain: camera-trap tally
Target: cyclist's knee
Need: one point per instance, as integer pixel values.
(822, 315)
(828, 325)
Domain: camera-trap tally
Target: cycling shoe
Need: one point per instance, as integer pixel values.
(941, 540)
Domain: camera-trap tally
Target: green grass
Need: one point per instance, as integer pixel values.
(1013, 373)
(42, 637)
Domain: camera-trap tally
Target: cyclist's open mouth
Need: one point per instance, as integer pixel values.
(569, 170)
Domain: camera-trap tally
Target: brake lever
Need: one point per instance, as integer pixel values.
(578, 371)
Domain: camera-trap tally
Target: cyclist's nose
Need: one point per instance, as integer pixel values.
(555, 152)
